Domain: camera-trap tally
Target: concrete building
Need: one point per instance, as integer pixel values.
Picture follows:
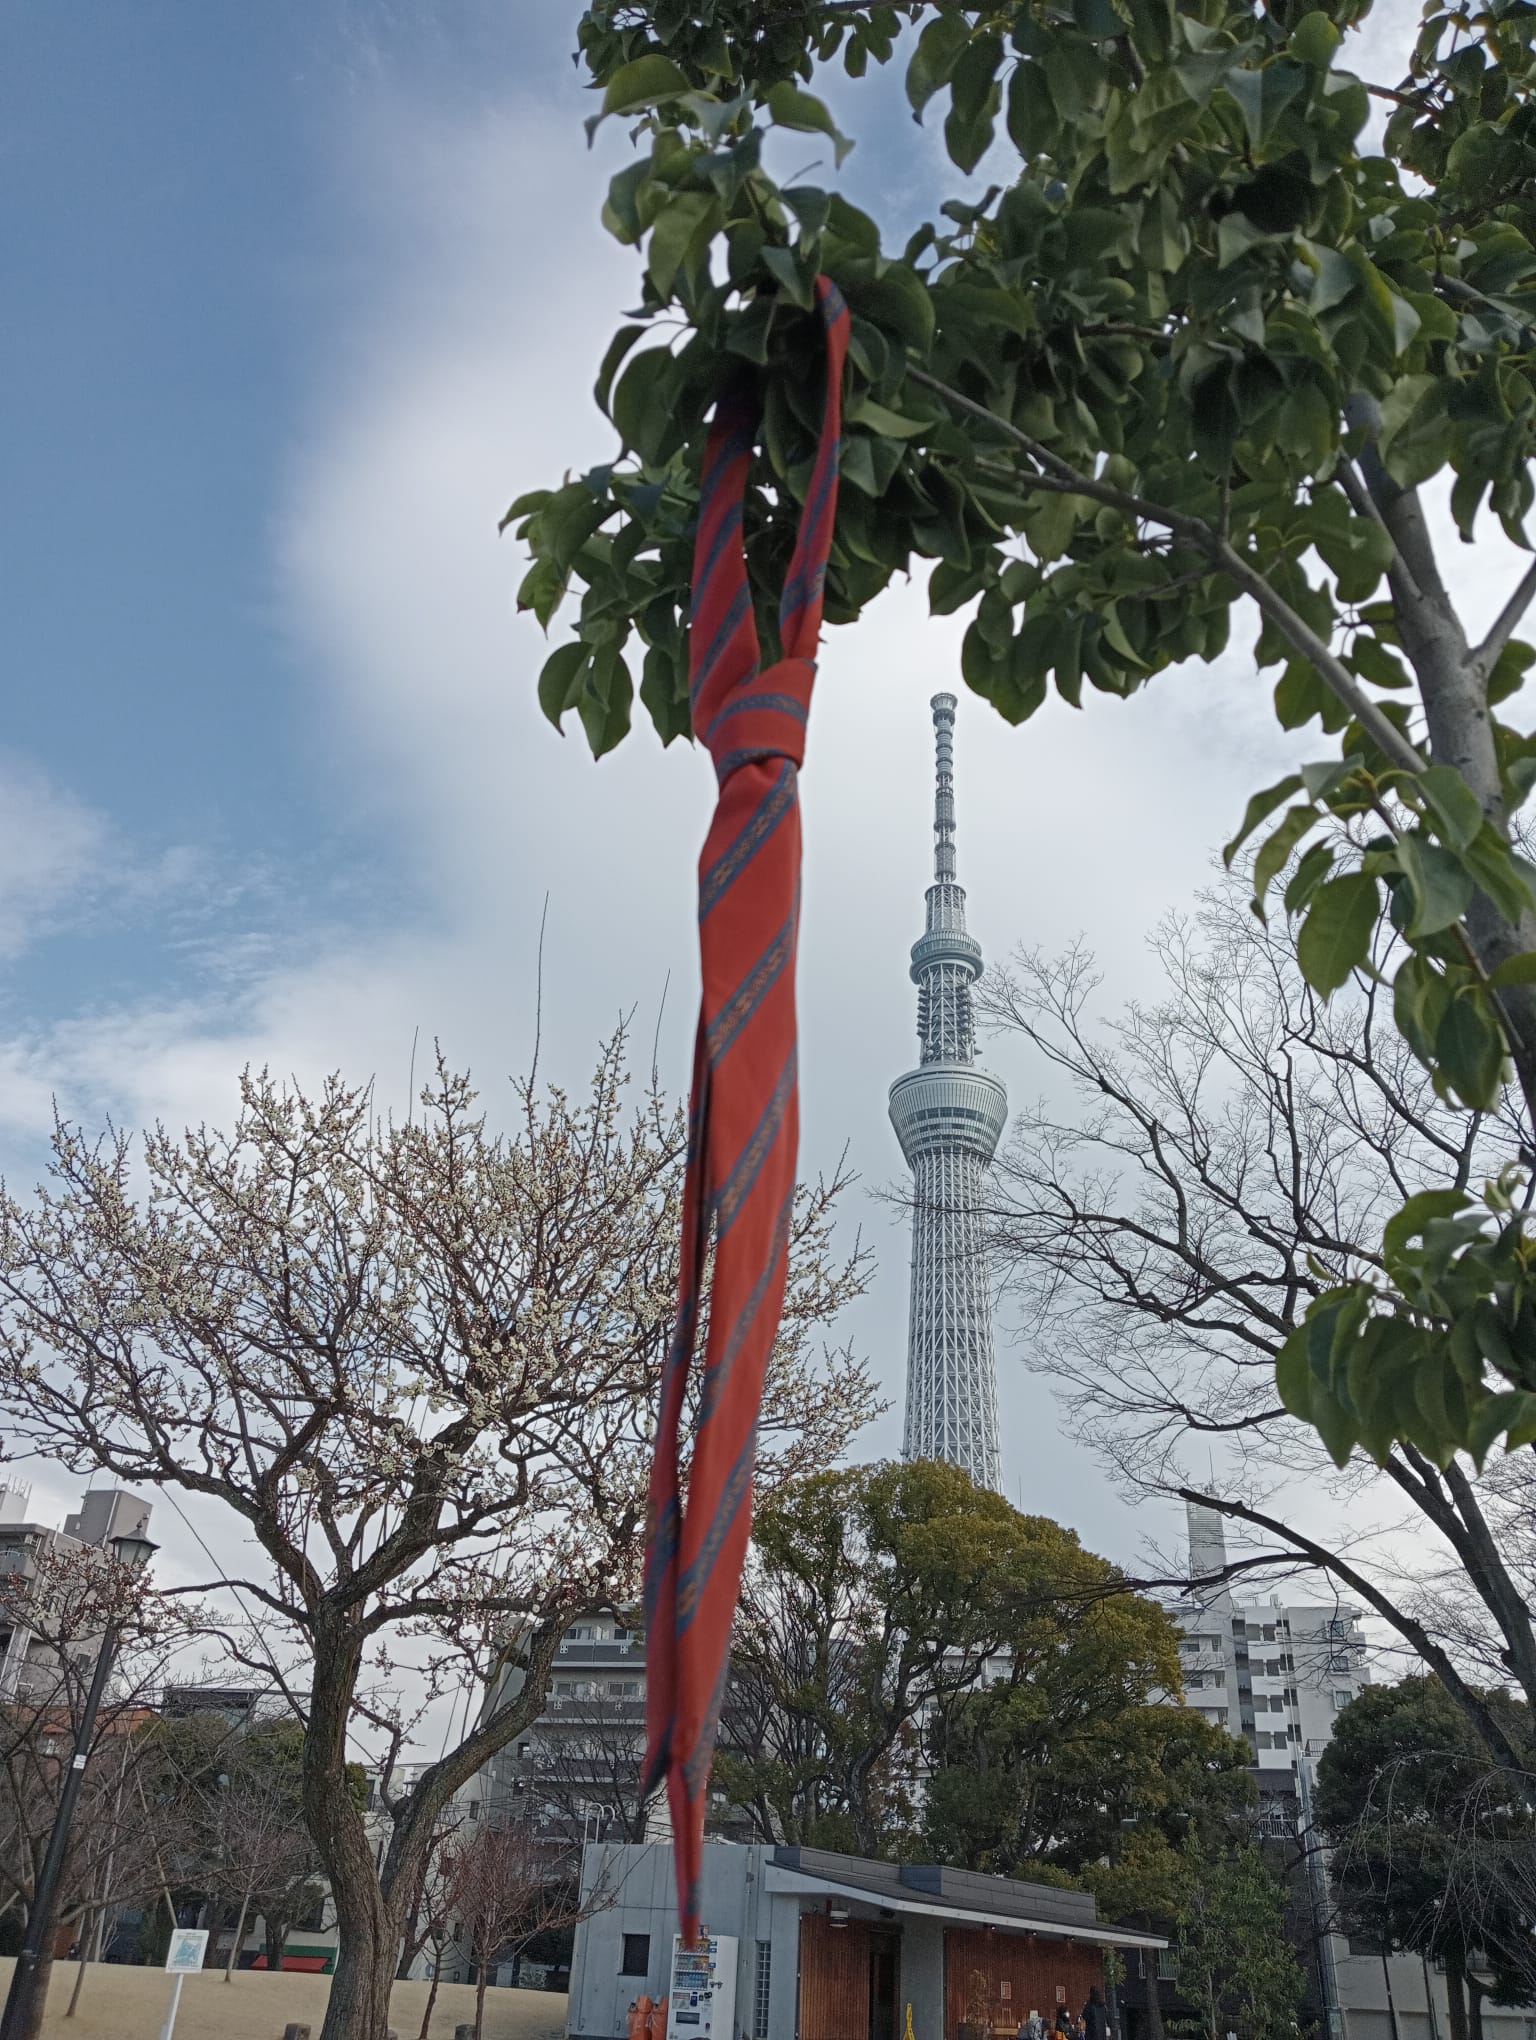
(949, 1115)
(1274, 1672)
(28, 1661)
(807, 1945)
(576, 1769)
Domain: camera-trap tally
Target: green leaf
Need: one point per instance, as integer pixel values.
(1309, 874)
(1032, 118)
(1259, 806)
(1510, 1415)
(1336, 277)
(1374, 662)
(1470, 1050)
(1442, 891)
(640, 411)
(889, 424)
(933, 60)
(1335, 938)
(897, 301)
(788, 272)
(1293, 1374)
(1515, 970)
(524, 506)
(543, 589)
(688, 221)
(789, 107)
(644, 83)
(664, 693)
(618, 348)
(604, 701)
(1409, 1220)
(1455, 808)
(561, 680)
(1499, 873)
(1314, 40)
(1274, 853)
(1263, 95)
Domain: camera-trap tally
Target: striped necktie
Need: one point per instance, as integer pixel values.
(743, 1125)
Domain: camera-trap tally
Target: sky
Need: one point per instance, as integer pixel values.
(299, 297)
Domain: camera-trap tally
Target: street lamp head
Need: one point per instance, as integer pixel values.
(134, 1551)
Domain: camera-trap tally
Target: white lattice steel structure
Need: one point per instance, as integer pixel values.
(949, 1116)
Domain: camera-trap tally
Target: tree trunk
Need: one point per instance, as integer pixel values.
(480, 1978)
(1154, 2003)
(277, 1941)
(235, 1946)
(1456, 1997)
(74, 1996)
(1474, 2009)
(426, 2017)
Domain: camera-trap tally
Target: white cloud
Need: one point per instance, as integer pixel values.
(52, 852)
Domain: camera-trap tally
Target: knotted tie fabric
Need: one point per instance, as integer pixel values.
(744, 1111)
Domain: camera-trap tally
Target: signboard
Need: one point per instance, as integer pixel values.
(701, 2004)
(188, 1947)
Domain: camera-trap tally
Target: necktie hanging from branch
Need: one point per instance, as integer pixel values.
(744, 1110)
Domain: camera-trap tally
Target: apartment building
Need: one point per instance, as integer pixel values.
(28, 1661)
(577, 1767)
(1274, 1672)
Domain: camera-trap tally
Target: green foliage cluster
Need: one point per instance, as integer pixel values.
(1200, 345)
(898, 1621)
(1431, 1842)
(1237, 1971)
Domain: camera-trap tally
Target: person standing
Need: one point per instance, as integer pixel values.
(1095, 2016)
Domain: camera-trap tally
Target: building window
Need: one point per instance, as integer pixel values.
(637, 1955)
(760, 1985)
(1167, 1965)
(1340, 1700)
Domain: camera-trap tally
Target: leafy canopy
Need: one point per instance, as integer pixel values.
(1431, 1843)
(1203, 343)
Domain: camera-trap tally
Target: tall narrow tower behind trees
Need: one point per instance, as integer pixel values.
(949, 1116)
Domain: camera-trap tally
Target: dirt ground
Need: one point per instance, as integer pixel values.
(120, 2003)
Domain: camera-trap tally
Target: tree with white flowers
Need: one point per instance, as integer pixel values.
(416, 1364)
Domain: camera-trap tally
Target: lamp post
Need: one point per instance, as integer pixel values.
(134, 1552)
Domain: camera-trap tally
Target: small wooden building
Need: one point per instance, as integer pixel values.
(829, 1947)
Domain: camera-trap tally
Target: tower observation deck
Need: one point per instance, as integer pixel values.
(949, 1116)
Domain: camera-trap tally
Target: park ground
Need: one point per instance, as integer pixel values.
(120, 2003)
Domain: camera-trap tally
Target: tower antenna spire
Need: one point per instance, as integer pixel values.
(943, 706)
(949, 1116)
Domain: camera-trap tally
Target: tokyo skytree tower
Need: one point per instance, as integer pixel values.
(949, 1116)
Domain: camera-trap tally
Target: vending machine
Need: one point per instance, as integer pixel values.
(701, 2004)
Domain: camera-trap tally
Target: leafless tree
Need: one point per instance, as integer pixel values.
(503, 1895)
(416, 1364)
(65, 1601)
(1225, 1152)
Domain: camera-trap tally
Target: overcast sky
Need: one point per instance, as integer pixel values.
(298, 297)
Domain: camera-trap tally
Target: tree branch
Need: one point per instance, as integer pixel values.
(1486, 1724)
(1485, 658)
(1061, 478)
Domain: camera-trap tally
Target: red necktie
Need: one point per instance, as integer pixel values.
(743, 1125)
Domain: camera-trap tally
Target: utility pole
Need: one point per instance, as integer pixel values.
(1317, 1892)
